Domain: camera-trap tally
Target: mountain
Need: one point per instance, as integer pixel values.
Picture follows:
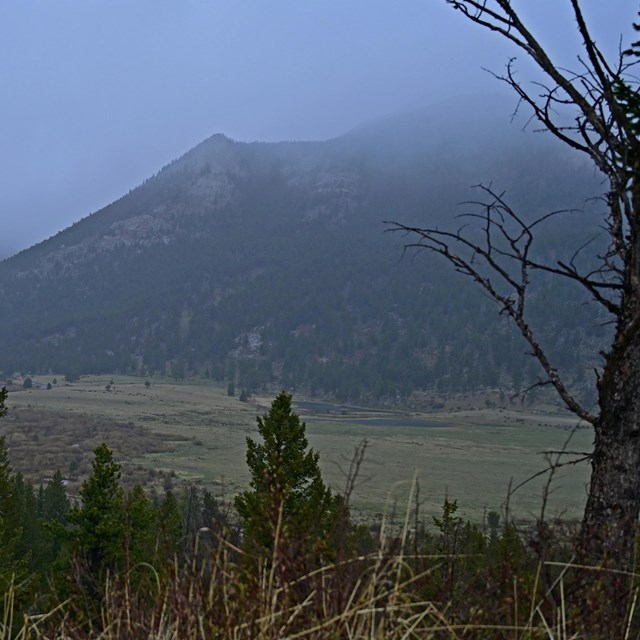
(5, 251)
(268, 264)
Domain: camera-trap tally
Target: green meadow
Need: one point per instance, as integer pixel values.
(169, 432)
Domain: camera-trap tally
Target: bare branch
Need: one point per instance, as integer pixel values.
(536, 385)
(595, 110)
(553, 464)
(513, 300)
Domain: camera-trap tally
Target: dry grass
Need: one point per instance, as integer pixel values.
(379, 596)
(379, 605)
(471, 454)
(41, 442)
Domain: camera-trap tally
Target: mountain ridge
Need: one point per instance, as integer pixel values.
(266, 264)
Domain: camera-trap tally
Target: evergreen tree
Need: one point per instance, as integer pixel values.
(99, 535)
(8, 538)
(170, 531)
(31, 547)
(139, 527)
(3, 397)
(286, 487)
(211, 517)
(53, 509)
(10, 516)
(55, 503)
(202, 518)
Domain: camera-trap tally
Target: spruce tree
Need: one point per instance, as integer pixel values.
(55, 502)
(139, 527)
(170, 532)
(3, 397)
(31, 547)
(10, 519)
(286, 487)
(99, 537)
(13, 564)
(54, 508)
(8, 537)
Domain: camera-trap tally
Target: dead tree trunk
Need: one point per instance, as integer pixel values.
(602, 100)
(610, 523)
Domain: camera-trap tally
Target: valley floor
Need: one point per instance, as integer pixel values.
(169, 432)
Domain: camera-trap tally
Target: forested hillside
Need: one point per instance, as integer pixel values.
(268, 264)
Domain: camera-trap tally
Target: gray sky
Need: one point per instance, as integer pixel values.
(97, 95)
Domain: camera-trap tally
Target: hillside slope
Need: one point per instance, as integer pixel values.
(267, 264)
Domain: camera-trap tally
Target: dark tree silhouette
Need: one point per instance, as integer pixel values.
(593, 110)
(99, 519)
(288, 496)
(3, 398)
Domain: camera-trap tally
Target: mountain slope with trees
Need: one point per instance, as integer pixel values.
(268, 264)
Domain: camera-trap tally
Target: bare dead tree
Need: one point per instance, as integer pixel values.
(593, 110)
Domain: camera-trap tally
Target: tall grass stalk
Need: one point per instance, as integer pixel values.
(387, 594)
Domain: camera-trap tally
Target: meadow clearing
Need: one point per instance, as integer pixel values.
(171, 432)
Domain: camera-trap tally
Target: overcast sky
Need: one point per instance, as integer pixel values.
(97, 95)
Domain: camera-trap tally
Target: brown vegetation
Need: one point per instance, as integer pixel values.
(456, 582)
(41, 442)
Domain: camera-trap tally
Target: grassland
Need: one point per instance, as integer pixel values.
(193, 431)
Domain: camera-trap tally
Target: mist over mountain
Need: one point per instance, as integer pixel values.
(267, 264)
